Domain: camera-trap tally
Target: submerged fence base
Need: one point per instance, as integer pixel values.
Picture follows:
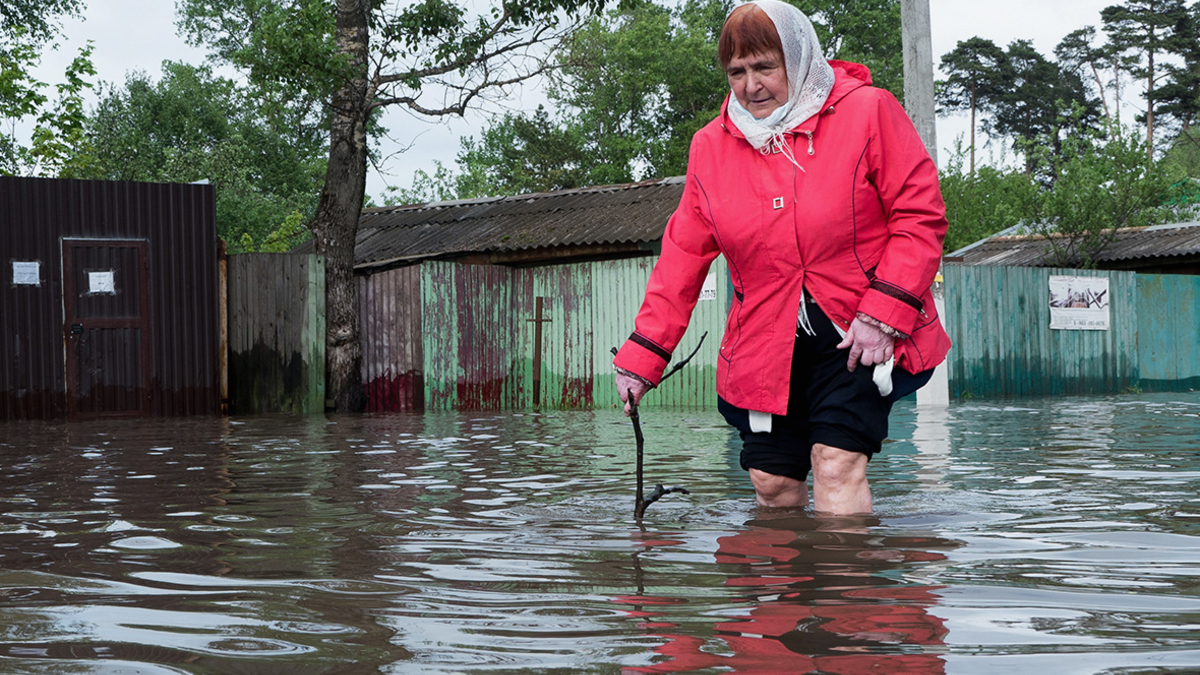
(276, 333)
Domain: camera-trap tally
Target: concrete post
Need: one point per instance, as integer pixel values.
(918, 101)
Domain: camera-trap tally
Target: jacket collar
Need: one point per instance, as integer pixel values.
(848, 77)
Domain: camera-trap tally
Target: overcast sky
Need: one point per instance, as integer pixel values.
(131, 35)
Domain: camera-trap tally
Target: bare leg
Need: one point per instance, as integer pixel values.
(778, 491)
(840, 481)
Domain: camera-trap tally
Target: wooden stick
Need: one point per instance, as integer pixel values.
(641, 502)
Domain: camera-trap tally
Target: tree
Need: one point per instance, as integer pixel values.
(522, 154)
(1178, 99)
(191, 125)
(631, 88)
(432, 57)
(25, 28)
(1076, 54)
(58, 132)
(34, 18)
(1105, 182)
(1035, 93)
(864, 31)
(975, 78)
(982, 202)
(1149, 30)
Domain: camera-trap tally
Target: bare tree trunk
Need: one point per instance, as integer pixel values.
(1100, 88)
(1117, 89)
(336, 221)
(1150, 109)
(972, 129)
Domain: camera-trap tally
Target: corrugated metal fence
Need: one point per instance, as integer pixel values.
(999, 319)
(515, 338)
(110, 299)
(443, 335)
(390, 326)
(1168, 332)
(276, 333)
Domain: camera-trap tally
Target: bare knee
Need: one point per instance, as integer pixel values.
(840, 481)
(778, 491)
(836, 466)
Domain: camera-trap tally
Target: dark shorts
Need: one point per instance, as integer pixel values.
(827, 404)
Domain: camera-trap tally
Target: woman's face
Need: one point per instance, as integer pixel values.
(759, 82)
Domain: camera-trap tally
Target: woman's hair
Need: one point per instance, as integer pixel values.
(748, 30)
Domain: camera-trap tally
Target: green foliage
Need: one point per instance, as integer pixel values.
(974, 81)
(57, 142)
(1184, 154)
(864, 31)
(974, 70)
(1028, 107)
(34, 18)
(286, 50)
(983, 202)
(1104, 181)
(1099, 66)
(441, 186)
(191, 125)
(290, 233)
(1148, 32)
(633, 86)
(522, 154)
(59, 145)
(1101, 181)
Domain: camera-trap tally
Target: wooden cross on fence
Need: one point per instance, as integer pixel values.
(537, 321)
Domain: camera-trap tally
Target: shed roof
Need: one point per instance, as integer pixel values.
(1132, 246)
(632, 214)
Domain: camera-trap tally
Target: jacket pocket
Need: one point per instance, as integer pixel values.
(733, 327)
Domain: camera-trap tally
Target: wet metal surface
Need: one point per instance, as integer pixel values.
(1018, 537)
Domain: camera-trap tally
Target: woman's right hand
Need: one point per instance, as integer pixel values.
(628, 386)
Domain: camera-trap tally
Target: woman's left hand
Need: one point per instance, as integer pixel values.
(868, 345)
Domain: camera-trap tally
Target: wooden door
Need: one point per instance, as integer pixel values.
(106, 328)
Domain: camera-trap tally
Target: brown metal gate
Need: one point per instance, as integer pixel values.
(106, 302)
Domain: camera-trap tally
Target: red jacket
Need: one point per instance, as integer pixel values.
(860, 226)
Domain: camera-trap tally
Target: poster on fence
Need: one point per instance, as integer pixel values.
(1078, 303)
(709, 290)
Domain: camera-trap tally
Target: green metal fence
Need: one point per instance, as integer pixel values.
(1168, 332)
(1000, 321)
(519, 338)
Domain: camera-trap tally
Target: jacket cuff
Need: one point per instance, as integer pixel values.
(643, 357)
(628, 373)
(881, 326)
(891, 305)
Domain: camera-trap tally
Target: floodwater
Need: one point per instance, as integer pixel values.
(1049, 535)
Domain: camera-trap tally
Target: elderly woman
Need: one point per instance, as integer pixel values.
(818, 191)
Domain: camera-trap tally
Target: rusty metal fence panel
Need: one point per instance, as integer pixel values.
(390, 324)
(498, 338)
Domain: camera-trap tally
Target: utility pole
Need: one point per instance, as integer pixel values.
(917, 44)
(918, 70)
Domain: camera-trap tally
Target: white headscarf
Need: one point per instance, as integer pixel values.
(810, 79)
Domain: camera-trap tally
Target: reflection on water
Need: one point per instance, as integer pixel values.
(1008, 537)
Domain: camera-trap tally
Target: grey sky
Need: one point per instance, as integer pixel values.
(132, 35)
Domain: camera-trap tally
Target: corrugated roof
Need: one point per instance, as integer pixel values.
(1154, 242)
(633, 213)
